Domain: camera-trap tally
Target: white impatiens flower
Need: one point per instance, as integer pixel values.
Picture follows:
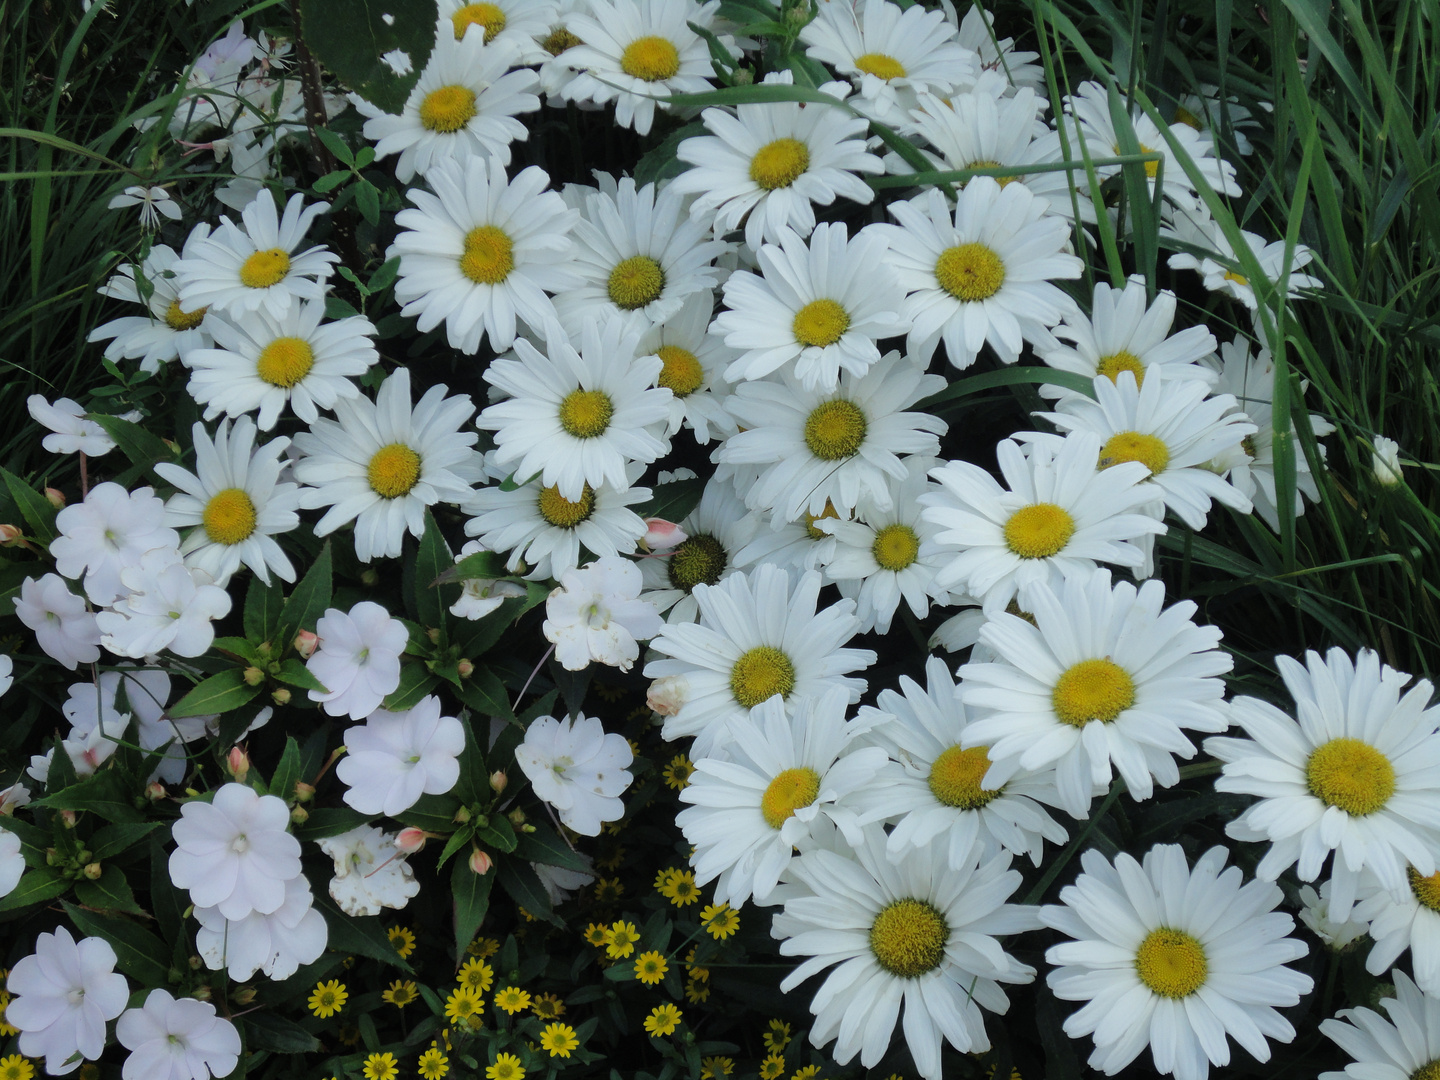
(1406, 1047)
(167, 606)
(578, 768)
(596, 615)
(64, 993)
(12, 862)
(715, 532)
(693, 362)
(747, 814)
(65, 629)
(275, 944)
(235, 853)
(382, 463)
(1315, 913)
(108, 532)
(153, 202)
(479, 596)
(1355, 773)
(1101, 677)
(983, 275)
(1174, 958)
(358, 659)
(1385, 463)
(394, 758)
(70, 432)
(177, 1040)
(1218, 265)
(164, 332)
(369, 874)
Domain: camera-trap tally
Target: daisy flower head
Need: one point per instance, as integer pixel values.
(916, 932)
(578, 768)
(693, 362)
(632, 52)
(977, 130)
(818, 310)
(164, 332)
(1060, 516)
(464, 104)
(759, 635)
(1215, 260)
(1407, 1045)
(522, 24)
(983, 275)
(1353, 773)
(238, 269)
(663, 1020)
(381, 463)
(358, 659)
(998, 54)
(1411, 921)
(715, 531)
(266, 361)
(506, 1067)
(482, 252)
(578, 416)
(819, 448)
(233, 503)
(434, 1065)
(785, 769)
(1173, 957)
(768, 165)
(558, 1040)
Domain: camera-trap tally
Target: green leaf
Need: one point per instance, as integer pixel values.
(362, 935)
(415, 683)
(350, 36)
(367, 198)
(238, 646)
(267, 1030)
(294, 673)
(385, 276)
(432, 560)
(142, 447)
(262, 609)
(522, 883)
(114, 839)
(484, 565)
(105, 794)
(1009, 376)
(545, 846)
(499, 834)
(166, 901)
(472, 900)
(33, 506)
(330, 821)
(287, 773)
(217, 694)
(433, 813)
(335, 144)
(456, 841)
(36, 887)
(331, 180)
(111, 892)
(485, 693)
(137, 950)
(306, 603)
(661, 162)
(673, 501)
(473, 784)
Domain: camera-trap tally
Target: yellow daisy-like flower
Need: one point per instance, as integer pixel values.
(721, 920)
(6, 1030)
(663, 1020)
(650, 968)
(662, 879)
(403, 938)
(400, 993)
(807, 1073)
(349, 1034)
(463, 1005)
(328, 998)
(483, 947)
(696, 992)
(506, 1067)
(597, 934)
(623, 937)
(548, 1007)
(712, 1067)
(682, 890)
(677, 774)
(16, 1067)
(773, 1067)
(476, 974)
(433, 1064)
(512, 999)
(381, 1067)
(777, 1036)
(558, 1039)
(612, 855)
(612, 828)
(608, 890)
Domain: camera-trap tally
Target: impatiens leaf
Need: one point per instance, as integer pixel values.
(543, 845)
(36, 887)
(523, 884)
(38, 513)
(282, 784)
(268, 1030)
(415, 683)
(217, 694)
(432, 560)
(137, 950)
(105, 794)
(472, 900)
(110, 892)
(350, 36)
(307, 602)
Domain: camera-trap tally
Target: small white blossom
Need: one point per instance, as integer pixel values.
(396, 757)
(578, 769)
(169, 606)
(106, 533)
(358, 660)
(72, 433)
(64, 993)
(152, 201)
(369, 873)
(177, 1040)
(596, 614)
(234, 853)
(63, 627)
(1387, 461)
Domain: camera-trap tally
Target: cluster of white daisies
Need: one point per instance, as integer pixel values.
(884, 839)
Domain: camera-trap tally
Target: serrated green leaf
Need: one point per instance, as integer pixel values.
(350, 36)
(239, 646)
(433, 813)
(35, 508)
(306, 603)
(485, 693)
(287, 772)
(432, 560)
(110, 892)
(105, 794)
(355, 934)
(457, 840)
(262, 609)
(473, 784)
(499, 834)
(114, 839)
(142, 447)
(472, 900)
(35, 887)
(415, 682)
(294, 673)
(482, 565)
(137, 950)
(330, 821)
(217, 694)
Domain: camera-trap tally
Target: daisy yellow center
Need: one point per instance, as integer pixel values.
(1238, 279)
(1428, 1071)
(881, 65)
(229, 516)
(1135, 446)
(955, 778)
(908, 938)
(1092, 690)
(792, 790)
(487, 15)
(265, 268)
(1189, 119)
(489, 255)
(447, 109)
(970, 272)
(820, 323)
(1426, 889)
(700, 560)
(393, 471)
(650, 58)
(1039, 530)
(779, 164)
(896, 547)
(635, 282)
(835, 430)
(585, 414)
(811, 519)
(1351, 775)
(559, 40)
(285, 361)
(561, 512)
(988, 163)
(1151, 167)
(1111, 366)
(1248, 445)
(760, 674)
(680, 370)
(182, 320)
(1171, 963)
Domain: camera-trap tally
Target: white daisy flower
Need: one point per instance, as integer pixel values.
(1060, 516)
(983, 277)
(1101, 676)
(1398, 923)
(519, 23)
(239, 270)
(557, 40)
(1354, 774)
(264, 361)
(822, 308)
(1385, 462)
(833, 447)
(795, 545)
(715, 531)
(1173, 958)
(381, 464)
(164, 332)
(768, 165)
(578, 417)
(759, 635)
(234, 502)
(1406, 1047)
(692, 365)
(997, 54)
(482, 252)
(1205, 113)
(1221, 270)
(918, 932)
(634, 51)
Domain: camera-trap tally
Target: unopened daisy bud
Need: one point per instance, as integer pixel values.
(480, 862)
(742, 77)
(299, 815)
(410, 840)
(498, 780)
(465, 667)
(93, 871)
(1387, 461)
(370, 577)
(244, 996)
(237, 764)
(55, 497)
(305, 643)
(667, 696)
(10, 535)
(662, 535)
(304, 792)
(253, 676)
(281, 696)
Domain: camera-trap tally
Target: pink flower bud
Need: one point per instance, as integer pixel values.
(480, 862)
(410, 840)
(466, 668)
(498, 780)
(305, 643)
(667, 696)
(155, 792)
(237, 764)
(661, 535)
(55, 497)
(10, 535)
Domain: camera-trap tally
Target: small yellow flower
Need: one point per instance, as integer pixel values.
(807, 1073)
(349, 1034)
(677, 773)
(597, 934)
(559, 1039)
(777, 1037)
(403, 938)
(721, 920)
(464, 1005)
(682, 890)
(16, 1067)
(773, 1067)
(512, 999)
(381, 1067)
(506, 1067)
(650, 968)
(608, 890)
(547, 1006)
(328, 998)
(433, 1064)
(611, 856)
(713, 1067)
(6, 1030)
(623, 937)
(476, 974)
(697, 993)
(609, 692)
(662, 1020)
(662, 879)
(400, 994)
(483, 947)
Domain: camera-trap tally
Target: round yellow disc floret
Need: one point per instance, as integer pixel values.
(699, 560)
(1351, 775)
(183, 320)
(680, 372)
(489, 256)
(559, 40)
(1171, 963)
(447, 109)
(908, 938)
(970, 272)
(835, 430)
(650, 58)
(561, 512)
(393, 471)
(820, 323)
(487, 15)
(955, 778)
(285, 361)
(780, 163)
(585, 414)
(265, 268)
(760, 674)
(881, 65)
(818, 534)
(1092, 690)
(1135, 446)
(896, 547)
(635, 282)
(1039, 530)
(793, 789)
(1426, 889)
(1124, 360)
(1429, 1071)
(229, 516)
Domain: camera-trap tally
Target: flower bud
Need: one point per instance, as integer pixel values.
(67, 818)
(498, 780)
(299, 815)
(10, 535)
(480, 862)
(667, 696)
(244, 996)
(52, 857)
(201, 993)
(662, 535)
(1387, 461)
(465, 667)
(742, 76)
(304, 792)
(281, 696)
(155, 791)
(370, 577)
(305, 644)
(55, 497)
(433, 633)
(196, 963)
(409, 840)
(237, 764)
(517, 817)
(253, 676)
(462, 815)
(93, 871)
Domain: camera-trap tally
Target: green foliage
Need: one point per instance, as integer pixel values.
(350, 36)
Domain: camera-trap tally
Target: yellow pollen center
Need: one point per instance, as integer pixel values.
(987, 163)
(1248, 445)
(780, 163)
(908, 938)
(760, 674)
(182, 320)
(1426, 889)
(881, 65)
(1111, 366)
(1428, 1071)
(835, 430)
(650, 58)
(1038, 531)
(585, 414)
(1171, 963)
(680, 371)
(792, 790)
(285, 361)
(811, 519)
(1092, 690)
(970, 272)
(393, 471)
(699, 560)
(635, 282)
(487, 15)
(955, 778)
(896, 547)
(1189, 119)
(447, 109)
(229, 516)
(559, 40)
(489, 255)
(1152, 168)
(1238, 279)
(561, 512)
(1352, 775)
(820, 323)
(264, 268)
(1135, 446)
